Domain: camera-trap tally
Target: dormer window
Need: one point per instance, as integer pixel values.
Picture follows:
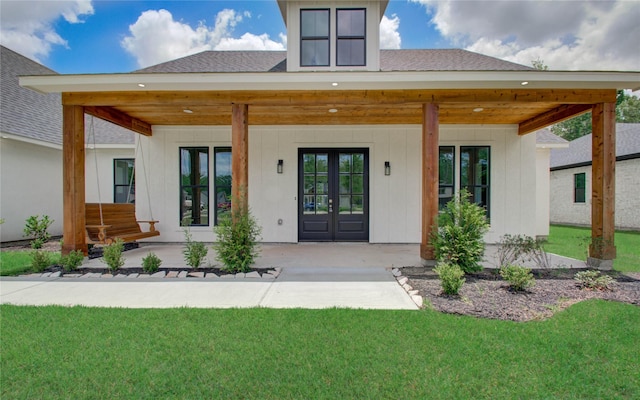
(314, 38)
(350, 37)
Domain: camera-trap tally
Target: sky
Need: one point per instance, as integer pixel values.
(101, 36)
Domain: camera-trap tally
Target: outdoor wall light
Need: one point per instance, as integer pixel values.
(387, 168)
(280, 166)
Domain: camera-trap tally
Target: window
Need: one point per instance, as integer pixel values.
(194, 186)
(314, 38)
(474, 173)
(222, 182)
(446, 171)
(124, 188)
(351, 28)
(579, 187)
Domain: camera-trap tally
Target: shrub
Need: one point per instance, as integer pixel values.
(237, 245)
(521, 248)
(451, 277)
(593, 280)
(151, 263)
(519, 278)
(459, 236)
(72, 261)
(37, 229)
(194, 252)
(112, 255)
(40, 260)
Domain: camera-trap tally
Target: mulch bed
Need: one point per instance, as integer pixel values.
(486, 295)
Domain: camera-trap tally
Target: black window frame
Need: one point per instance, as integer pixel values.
(442, 201)
(580, 193)
(182, 186)
(217, 186)
(132, 183)
(472, 184)
(351, 38)
(326, 39)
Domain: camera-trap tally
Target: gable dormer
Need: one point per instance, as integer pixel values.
(333, 35)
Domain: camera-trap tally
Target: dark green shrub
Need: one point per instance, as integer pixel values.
(112, 255)
(593, 280)
(237, 245)
(519, 278)
(37, 229)
(72, 261)
(151, 263)
(451, 277)
(459, 238)
(40, 260)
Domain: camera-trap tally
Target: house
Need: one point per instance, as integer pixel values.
(335, 139)
(546, 141)
(31, 151)
(572, 179)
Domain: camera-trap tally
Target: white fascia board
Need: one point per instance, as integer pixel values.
(25, 139)
(552, 145)
(346, 80)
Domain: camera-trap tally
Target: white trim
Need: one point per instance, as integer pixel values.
(349, 80)
(36, 142)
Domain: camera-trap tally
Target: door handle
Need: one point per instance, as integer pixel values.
(330, 205)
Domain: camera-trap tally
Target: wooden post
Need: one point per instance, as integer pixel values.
(603, 180)
(73, 180)
(430, 156)
(239, 158)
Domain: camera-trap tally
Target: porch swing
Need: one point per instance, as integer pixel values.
(105, 223)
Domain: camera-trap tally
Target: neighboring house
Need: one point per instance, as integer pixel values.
(31, 151)
(571, 180)
(545, 142)
(334, 139)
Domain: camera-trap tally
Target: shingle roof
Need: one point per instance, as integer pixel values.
(38, 116)
(579, 150)
(545, 136)
(390, 60)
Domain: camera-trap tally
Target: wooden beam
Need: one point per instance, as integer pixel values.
(430, 157)
(554, 116)
(239, 158)
(603, 179)
(73, 180)
(340, 97)
(119, 118)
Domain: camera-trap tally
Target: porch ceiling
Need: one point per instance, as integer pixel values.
(530, 109)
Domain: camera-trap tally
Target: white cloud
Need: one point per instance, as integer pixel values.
(389, 35)
(586, 35)
(156, 37)
(28, 27)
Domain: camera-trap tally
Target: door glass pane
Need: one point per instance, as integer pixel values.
(345, 205)
(345, 184)
(358, 163)
(322, 204)
(358, 184)
(357, 204)
(309, 206)
(322, 184)
(309, 184)
(309, 163)
(322, 163)
(345, 163)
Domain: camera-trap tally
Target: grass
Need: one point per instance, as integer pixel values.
(18, 262)
(587, 351)
(573, 242)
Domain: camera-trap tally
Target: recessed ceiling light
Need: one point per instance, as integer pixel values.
(188, 111)
(334, 84)
(478, 109)
(525, 83)
(141, 85)
(333, 110)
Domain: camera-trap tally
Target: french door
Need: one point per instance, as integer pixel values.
(333, 195)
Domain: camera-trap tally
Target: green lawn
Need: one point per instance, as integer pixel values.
(573, 242)
(588, 351)
(17, 262)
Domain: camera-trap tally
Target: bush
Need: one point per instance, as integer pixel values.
(194, 252)
(151, 263)
(519, 278)
(40, 260)
(451, 277)
(459, 236)
(37, 229)
(72, 261)
(521, 248)
(237, 246)
(593, 280)
(112, 255)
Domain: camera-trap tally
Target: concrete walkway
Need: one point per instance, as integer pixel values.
(314, 275)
